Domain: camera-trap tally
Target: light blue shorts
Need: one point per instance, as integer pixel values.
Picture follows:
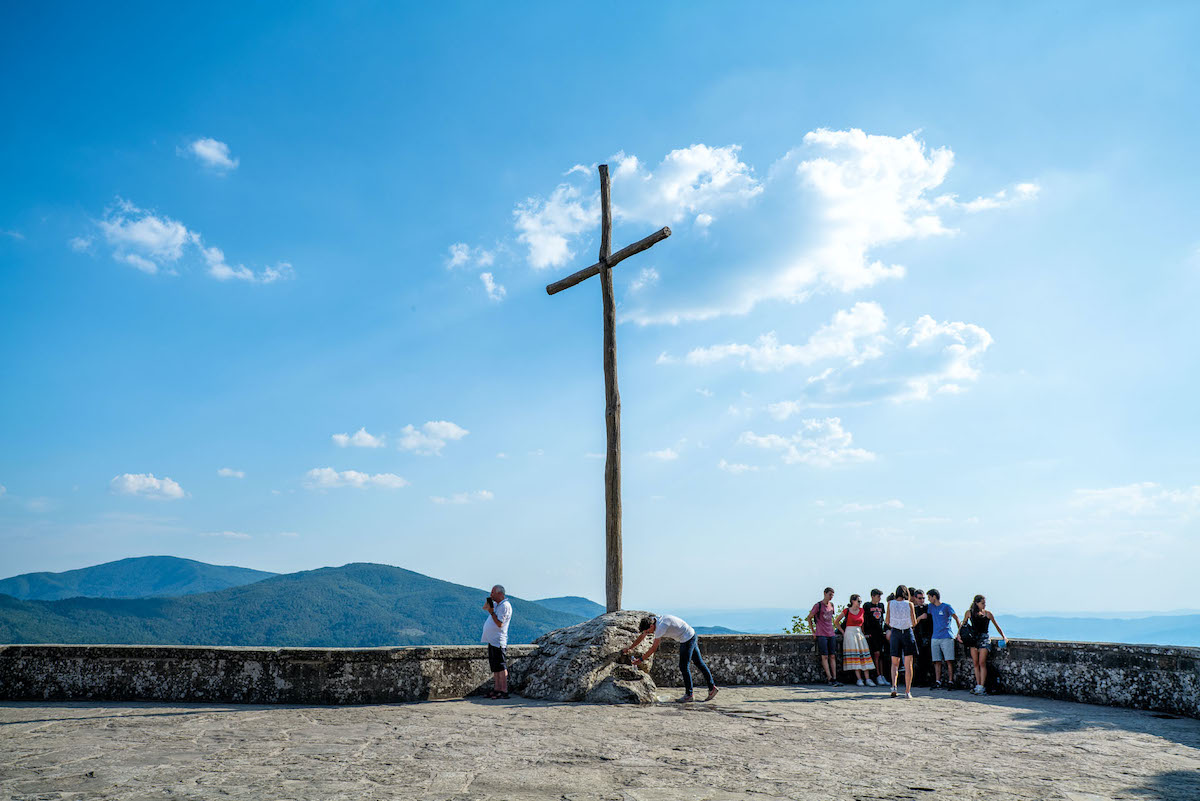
(942, 650)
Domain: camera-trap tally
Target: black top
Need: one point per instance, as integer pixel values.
(873, 617)
(924, 629)
(979, 624)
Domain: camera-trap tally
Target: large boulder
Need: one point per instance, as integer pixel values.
(582, 663)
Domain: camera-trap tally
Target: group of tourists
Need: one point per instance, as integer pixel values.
(906, 629)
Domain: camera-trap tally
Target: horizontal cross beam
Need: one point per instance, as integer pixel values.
(613, 260)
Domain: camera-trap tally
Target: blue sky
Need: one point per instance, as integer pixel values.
(927, 314)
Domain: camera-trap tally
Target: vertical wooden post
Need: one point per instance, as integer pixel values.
(612, 408)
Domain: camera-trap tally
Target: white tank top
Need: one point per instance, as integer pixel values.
(901, 614)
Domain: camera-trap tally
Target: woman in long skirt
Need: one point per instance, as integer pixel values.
(856, 654)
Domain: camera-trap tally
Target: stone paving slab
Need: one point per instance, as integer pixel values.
(797, 742)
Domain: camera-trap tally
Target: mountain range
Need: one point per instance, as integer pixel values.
(138, 577)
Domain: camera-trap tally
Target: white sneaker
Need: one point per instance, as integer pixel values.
(908, 696)
(860, 683)
(978, 690)
(881, 682)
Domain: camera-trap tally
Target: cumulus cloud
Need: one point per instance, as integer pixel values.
(814, 223)
(359, 439)
(146, 486)
(696, 180)
(462, 254)
(229, 472)
(647, 277)
(818, 442)
(151, 242)
(212, 153)
(328, 478)
(430, 438)
(80, 244)
(853, 336)
(460, 498)
(495, 291)
(1143, 499)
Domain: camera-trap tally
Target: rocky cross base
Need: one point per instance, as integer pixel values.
(583, 663)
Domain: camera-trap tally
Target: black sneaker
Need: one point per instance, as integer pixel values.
(937, 685)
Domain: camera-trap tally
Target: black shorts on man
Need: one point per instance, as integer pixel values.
(496, 658)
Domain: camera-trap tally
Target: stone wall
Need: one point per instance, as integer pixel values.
(1155, 678)
(243, 675)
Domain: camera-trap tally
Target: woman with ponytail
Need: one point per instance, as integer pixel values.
(902, 617)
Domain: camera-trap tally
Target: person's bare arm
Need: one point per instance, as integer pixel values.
(650, 653)
(993, 619)
(887, 618)
(837, 621)
(634, 644)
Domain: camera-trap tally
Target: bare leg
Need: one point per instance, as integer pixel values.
(895, 671)
(937, 671)
(501, 681)
(908, 673)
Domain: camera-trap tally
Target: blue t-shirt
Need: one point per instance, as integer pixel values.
(940, 615)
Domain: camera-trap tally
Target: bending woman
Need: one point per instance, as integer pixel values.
(901, 617)
(980, 617)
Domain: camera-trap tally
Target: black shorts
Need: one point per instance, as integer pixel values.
(496, 659)
(903, 643)
(877, 642)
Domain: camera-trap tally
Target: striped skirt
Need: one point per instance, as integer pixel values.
(856, 655)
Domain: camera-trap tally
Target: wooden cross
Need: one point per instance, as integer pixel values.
(612, 406)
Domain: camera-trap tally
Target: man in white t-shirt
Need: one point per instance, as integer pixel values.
(495, 634)
(674, 628)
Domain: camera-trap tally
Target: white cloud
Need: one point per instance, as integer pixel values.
(694, 180)
(1143, 499)
(853, 336)
(647, 277)
(431, 437)
(821, 443)
(544, 226)
(462, 254)
(288, 534)
(150, 243)
(736, 468)
(460, 498)
(3, 490)
(665, 455)
(495, 291)
(1004, 198)
(594, 456)
(80, 244)
(229, 535)
(854, 507)
(815, 222)
(212, 153)
(229, 472)
(328, 478)
(146, 485)
(359, 439)
(926, 358)
(144, 239)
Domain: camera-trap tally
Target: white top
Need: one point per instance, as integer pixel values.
(673, 628)
(901, 614)
(498, 635)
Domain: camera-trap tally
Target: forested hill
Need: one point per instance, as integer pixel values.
(137, 577)
(357, 605)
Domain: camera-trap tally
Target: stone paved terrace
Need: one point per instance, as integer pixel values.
(752, 743)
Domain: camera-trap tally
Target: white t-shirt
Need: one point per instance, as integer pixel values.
(498, 635)
(673, 628)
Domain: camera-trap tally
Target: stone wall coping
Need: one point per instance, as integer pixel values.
(384, 653)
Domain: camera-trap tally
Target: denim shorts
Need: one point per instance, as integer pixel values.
(903, 642)
(827, 646)
(942, 650)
